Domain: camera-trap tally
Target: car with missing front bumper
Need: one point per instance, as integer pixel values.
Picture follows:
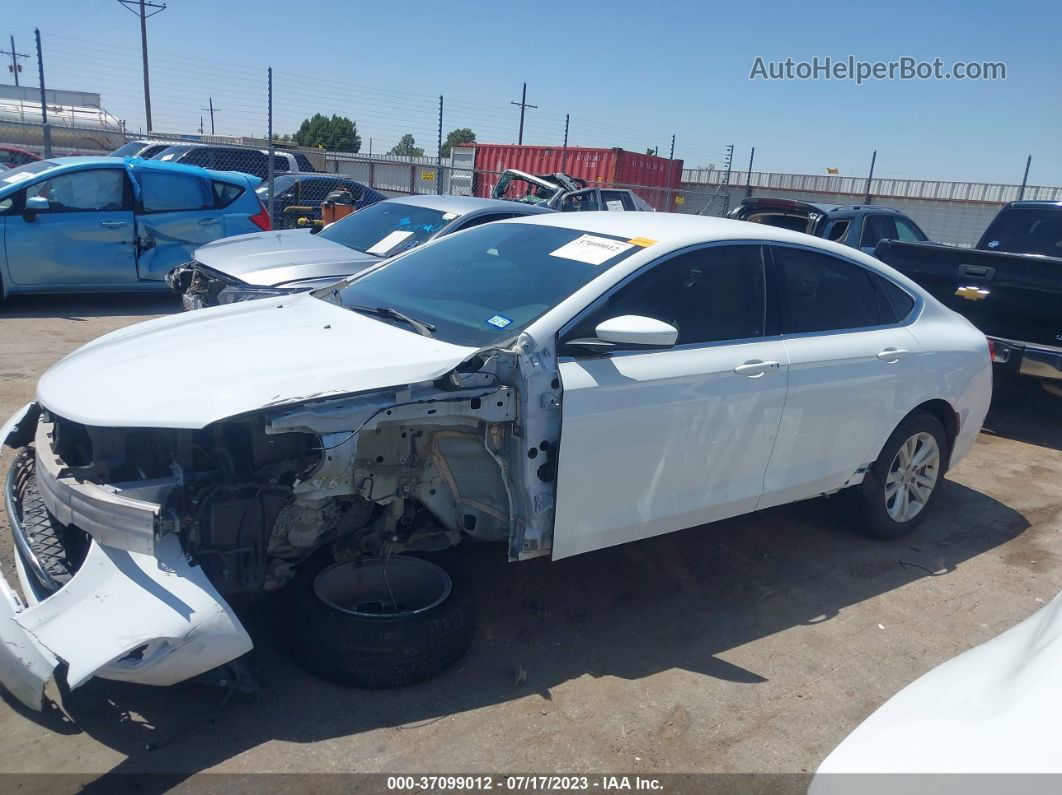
(552, 385)
(255, 266)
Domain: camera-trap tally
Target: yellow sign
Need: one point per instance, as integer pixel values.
(642, 241)
(680, 200)
(427, 176)
(833, 170)
(972, 293)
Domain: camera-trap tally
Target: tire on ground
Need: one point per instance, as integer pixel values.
(870, 495)
(377, 651)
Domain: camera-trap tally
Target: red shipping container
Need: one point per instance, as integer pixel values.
(647, 175)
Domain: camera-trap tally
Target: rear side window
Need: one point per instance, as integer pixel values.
(225, 193)
(161, 192)
(825, 293)
(280, 164)
(900, 303)
(877, 228)
(838, 231)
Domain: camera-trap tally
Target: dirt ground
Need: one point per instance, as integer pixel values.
(752, 645)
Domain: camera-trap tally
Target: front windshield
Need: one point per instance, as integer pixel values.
(490, 282)
(387, 227)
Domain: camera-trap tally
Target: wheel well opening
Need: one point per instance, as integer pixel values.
(943, 411)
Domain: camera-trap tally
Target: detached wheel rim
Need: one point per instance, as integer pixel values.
(912, 478)
(392, 587)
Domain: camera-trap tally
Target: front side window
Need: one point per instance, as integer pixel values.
(93, 189)
(489, 283)
(877, 228)
(712, 294)
(580, 200)
(825, 293)
(387, 227)
(161, 192)
(908, 232)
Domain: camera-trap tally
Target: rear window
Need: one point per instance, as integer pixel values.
(1026, 230)
(304, 162)
(129, 150)
(225, 193)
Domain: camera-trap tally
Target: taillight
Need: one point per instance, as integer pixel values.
(991, 349)
(261, 218)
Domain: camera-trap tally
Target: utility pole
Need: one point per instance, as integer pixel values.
(523, 107)
(15, 67)
(211, 108)
(141, 11)
(870, 176)
(45, 130)
(564, 159)
(748, 181)
(1025, 178)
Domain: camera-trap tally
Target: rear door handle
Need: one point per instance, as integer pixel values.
(208, 221)
(756, 367)
(112, 224)
(893, 354)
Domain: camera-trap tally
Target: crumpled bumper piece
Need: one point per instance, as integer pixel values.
(121, 601)
(130, 616)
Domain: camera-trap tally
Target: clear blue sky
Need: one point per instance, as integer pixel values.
(629, 73)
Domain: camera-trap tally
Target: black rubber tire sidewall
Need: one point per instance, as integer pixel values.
(376, 652)
(878, 523)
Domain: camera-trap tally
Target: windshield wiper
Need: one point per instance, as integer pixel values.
(419, 326)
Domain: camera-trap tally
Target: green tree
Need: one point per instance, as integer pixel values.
(462, 135)
(336, 134)
(407, 147)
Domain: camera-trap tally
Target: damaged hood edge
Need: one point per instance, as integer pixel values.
(196, 368)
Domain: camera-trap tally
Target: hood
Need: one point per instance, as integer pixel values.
(192, 369)
(272, 259)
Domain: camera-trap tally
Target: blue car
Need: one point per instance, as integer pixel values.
(102, 224)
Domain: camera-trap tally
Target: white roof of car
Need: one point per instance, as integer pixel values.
(674, 230)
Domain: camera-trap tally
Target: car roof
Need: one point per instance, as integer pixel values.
(676, 230)
(466, 204)
(825, 209)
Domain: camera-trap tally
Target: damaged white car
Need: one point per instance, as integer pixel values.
(555, 385)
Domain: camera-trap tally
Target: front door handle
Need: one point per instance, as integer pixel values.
(754, 368)
(893, 354)
(207, 221)
(112, 224)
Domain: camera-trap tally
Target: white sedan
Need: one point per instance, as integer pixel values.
(557, 384)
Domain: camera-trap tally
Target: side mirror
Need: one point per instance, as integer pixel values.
(628, 331)
(637, 331)
(36, 204)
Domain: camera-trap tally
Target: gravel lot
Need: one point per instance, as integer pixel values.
(752, 645)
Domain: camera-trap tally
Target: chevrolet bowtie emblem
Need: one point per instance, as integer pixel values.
(972, 293)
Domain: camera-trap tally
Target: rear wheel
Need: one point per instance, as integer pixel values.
(377, 622)
(902, 484)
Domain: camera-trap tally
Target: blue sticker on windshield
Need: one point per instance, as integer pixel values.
(498, 321)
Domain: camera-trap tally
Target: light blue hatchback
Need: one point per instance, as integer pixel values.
(100, 224)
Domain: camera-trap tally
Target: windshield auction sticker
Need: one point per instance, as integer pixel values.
(389, 242)
(591, 249)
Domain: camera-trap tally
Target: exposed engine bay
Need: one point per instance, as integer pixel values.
(415, 468)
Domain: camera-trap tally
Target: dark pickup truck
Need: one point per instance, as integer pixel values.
(1009, 285)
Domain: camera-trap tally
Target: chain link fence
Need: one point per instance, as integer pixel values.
(303, 178)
